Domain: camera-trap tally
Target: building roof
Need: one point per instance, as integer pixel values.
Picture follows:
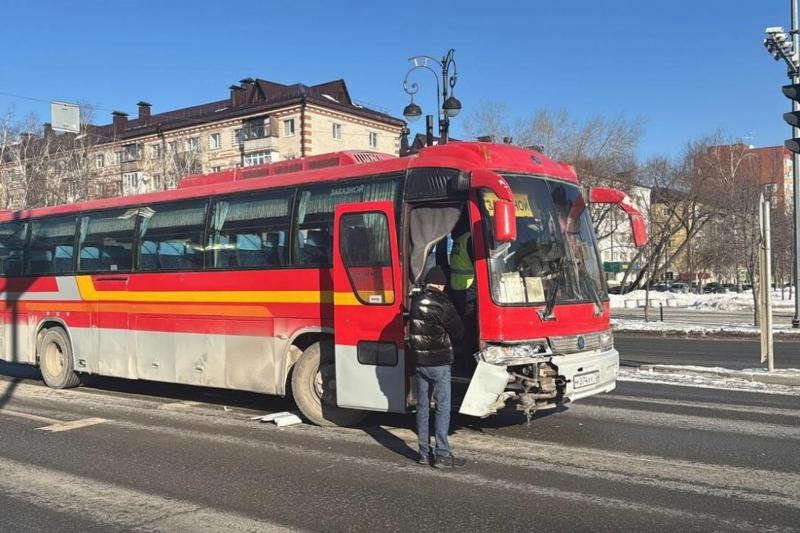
(249, 97)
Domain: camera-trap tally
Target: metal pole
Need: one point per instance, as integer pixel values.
(796, 180)
(444, 120)
(766, 205)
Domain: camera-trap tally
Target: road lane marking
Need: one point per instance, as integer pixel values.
(115, 506)
(738, 408)
(74, 424)
(28, 416)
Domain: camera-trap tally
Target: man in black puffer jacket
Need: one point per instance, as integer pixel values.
(434, 326)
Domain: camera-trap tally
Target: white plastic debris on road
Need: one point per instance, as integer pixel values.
(699, 302)
(281, 419)
(689, 376)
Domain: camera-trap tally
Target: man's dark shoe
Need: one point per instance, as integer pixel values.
(424, 460)
(448, 461)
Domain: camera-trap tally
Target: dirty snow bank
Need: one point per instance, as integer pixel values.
(691, 376)
(700, 302)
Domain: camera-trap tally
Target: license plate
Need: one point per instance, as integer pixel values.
(584, 380)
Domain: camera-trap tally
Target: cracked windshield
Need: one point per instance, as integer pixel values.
(554, 255)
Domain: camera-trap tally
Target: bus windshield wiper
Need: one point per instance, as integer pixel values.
(547, 313)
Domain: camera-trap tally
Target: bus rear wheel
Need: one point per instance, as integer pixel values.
(314, 388)
(55, 360)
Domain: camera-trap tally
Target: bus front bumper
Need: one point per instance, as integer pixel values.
(541, 384)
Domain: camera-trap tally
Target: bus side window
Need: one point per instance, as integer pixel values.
(12, 247)
(250, 231)
(105, 241)
(314, 224)
(171, 236)
(51, 246)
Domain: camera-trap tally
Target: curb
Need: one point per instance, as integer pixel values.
(758, 377)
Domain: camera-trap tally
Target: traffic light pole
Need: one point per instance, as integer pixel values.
(796, 181)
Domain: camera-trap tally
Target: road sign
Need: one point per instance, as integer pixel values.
(65, 117)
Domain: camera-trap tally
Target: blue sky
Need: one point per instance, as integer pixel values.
(689, 67)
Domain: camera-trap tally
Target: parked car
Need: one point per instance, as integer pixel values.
(679, 287)
(714, 288)
(660, 287)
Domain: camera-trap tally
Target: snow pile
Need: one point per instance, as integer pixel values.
(730, 301)
(712, 378)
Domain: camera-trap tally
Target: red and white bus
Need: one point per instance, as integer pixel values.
(295, 276)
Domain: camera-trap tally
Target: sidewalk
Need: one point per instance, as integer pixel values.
(698, 325)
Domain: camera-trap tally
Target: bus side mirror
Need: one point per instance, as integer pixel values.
(505, 221)
(607, 195)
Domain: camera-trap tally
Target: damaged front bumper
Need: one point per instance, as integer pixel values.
(536, 378)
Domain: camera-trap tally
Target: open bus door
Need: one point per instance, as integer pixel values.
(368, 322)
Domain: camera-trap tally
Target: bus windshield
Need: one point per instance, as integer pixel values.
(555, 249)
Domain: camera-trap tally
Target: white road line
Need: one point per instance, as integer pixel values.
(115, 506)
(28, 416)
(781, 411)
(75, 424)
(178, 406)
(732, 387)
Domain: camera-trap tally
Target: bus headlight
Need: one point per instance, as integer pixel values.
(606, 340)
(497, 354)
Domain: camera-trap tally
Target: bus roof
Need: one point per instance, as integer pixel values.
(465, 156)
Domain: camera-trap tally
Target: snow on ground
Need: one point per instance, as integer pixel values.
(687, 328)
(708, 381)
(730, 301)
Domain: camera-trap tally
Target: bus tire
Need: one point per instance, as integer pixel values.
(312, 372)
(55, 360)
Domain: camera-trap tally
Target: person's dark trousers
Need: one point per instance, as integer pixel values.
(464, 302)
(434, 379)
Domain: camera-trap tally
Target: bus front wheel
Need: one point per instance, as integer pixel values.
(314, 388)
(55, 360)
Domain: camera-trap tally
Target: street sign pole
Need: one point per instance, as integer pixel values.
(765, 283)
(796, 179)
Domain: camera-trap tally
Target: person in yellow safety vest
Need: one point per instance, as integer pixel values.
(462, 271)
(462, 286)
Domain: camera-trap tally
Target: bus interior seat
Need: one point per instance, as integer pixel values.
(357, 244)
(89, 259)
(249, 251)
(275, 248)
(317, 247)
(148, 256)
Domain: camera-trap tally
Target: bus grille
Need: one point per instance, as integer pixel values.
(571, 343)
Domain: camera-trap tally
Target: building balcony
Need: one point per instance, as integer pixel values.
(132, 165)
(260, 143)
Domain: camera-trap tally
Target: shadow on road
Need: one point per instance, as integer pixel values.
(8, 393)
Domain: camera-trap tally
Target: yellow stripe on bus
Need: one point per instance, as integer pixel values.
(90, 294)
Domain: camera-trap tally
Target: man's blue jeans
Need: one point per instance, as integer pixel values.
(436, 380)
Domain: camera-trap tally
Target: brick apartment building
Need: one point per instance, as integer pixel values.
(261, 121)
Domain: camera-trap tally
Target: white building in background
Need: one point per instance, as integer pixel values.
(614, 237)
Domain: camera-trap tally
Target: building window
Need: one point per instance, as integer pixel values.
(193, 144)
(288, 127)
(118, 157)
(373, 139)
(155, 151)
(257, 158)
(254, 129)
(130, 182)
(214, 141)
(100, 161)
(337, 131)
(172, 146)
(130, 152)
(156, 182)
(216, 169)
(237, 137)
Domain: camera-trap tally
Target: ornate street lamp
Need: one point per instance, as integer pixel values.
(451, 106)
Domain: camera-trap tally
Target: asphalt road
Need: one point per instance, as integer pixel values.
(734, 353)
(137, 456)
